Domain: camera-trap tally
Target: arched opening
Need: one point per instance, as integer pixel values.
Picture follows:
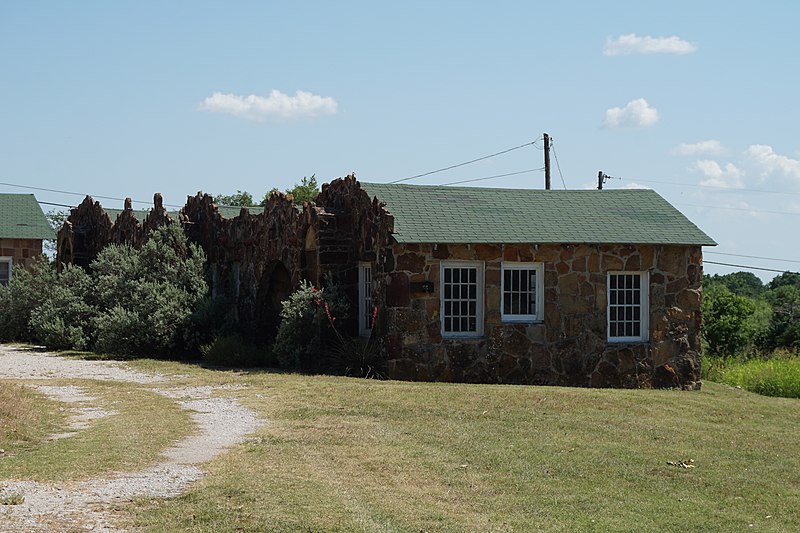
(275, 287)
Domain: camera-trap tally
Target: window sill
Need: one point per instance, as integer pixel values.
(522, 320)
(461, 336)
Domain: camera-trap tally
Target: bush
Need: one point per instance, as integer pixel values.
(305, 321)
(64, 319)
(233, 350)
(147, 297)
(212, 318)
(24, 293)
(357, 357)
(135, 301)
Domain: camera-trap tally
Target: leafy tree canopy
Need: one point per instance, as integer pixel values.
(741, 283)
(787, 278)
(304, 191)
(240, 198)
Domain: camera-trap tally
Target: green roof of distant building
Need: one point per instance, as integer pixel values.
(21, 217)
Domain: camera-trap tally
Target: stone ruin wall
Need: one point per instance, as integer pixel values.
(254, 260)
(569, 346)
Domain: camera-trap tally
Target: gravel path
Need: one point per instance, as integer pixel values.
(89, 505)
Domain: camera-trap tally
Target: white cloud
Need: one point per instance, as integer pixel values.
(633, 44)
(767, 162)
(710, 147)
(635, 114)
(276, 106)
(728, 177)
(634, 185)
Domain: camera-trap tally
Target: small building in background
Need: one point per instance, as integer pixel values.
(23, 227)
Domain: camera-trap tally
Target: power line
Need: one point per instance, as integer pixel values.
(31, 187)
(59, 205)
(555, 155)
(747, 267)
(492, 177)
(465, 162)
(755, 257)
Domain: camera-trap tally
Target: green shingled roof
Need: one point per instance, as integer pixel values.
(436, 214)
(22, 218)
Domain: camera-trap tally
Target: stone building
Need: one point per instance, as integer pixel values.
(585, 288)
(23, 226)
(581, 287)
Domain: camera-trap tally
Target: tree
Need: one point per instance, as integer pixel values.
(740, 283)
(784, 326)
(726, 325)
(304, 191)
(56, 218)
(787, 278)
(240, 198)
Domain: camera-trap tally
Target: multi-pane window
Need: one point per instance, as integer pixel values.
(365, 305)
(5, 270)
(462, 299)
(628, 307)
(522, 292)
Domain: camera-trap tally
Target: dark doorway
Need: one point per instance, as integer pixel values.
(275, 287)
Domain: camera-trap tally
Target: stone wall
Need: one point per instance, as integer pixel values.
(254, 260)
(568, 347)
(21, 251)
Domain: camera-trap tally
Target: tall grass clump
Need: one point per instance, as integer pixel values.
(776, 376)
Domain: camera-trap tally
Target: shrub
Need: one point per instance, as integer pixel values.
(305, 319)
(25, 291)
(135, 301)
(147, 297)
(357, 357)
(64, 319)
(212, 318)
(233, 350)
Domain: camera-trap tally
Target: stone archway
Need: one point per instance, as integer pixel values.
(274, 287)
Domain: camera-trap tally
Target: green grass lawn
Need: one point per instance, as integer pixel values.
(345, 454)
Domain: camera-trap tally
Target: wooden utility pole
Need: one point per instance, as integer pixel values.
(600, 180)
(546, 160)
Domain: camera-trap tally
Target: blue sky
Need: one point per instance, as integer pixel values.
(697, 100)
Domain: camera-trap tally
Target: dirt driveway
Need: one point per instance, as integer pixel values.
(220, 423)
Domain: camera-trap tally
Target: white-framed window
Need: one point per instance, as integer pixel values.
(628, 306)
(522, 292)
(462, 298)
(365, 304)
(6, 266)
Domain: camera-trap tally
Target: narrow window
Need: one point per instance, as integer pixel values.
(628, 307)
(5, 270)
(365, 305)
(462, 299)
(522, 292)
